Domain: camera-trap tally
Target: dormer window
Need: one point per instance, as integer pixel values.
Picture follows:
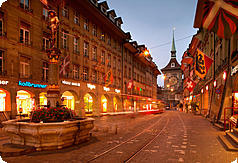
(112, 18)
(172, 64)
(104, 10)
(95, 2)
(118, 24)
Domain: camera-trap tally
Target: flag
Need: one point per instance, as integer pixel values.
(44, 2)
(130, 84)
(202, 64)
(219, 16)
(190, 84)
(108, 78)
(64, 67)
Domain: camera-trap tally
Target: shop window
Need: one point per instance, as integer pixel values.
(86, 49)
(1, 61)
(94, 30)
(104, 104)
(76, 45)
(24, 36)
(88, 101)
(85, 74)
(76, 71)
(2, 100)
(45, 71)
(24, 4)
(45, 43)
(43, 99)
(76, 18)
(68, 100)
(94, 54)
(24, 67)
(65, 12)
(25, 103)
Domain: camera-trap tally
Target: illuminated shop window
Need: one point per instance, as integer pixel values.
(43, 98)
(68, 100)
(2, 100)
(115, 104)
(24, 102)
(88, 103)
(104, 104)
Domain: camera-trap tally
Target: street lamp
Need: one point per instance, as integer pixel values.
(146, 52)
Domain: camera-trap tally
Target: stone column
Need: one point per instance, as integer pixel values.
(13, 93)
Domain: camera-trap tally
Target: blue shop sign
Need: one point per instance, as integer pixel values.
(29, 84)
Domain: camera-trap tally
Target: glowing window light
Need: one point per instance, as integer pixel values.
(224, 75)
(215, 83)
(106, 89)
(90, 86)
(117, 91)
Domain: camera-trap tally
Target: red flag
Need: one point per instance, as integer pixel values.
(64, 67)
(44, 2)
(219, 16)
(108, 78)
(190, 85)
(202, 64)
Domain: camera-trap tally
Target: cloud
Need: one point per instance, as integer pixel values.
(1, 1)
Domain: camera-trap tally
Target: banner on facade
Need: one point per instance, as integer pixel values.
(202, 64)
(190, 85)
(64, 66)
(108, 78)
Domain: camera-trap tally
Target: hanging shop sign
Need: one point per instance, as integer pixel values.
(234, 70)
(70, 83)
(29, 84)
(4, 82)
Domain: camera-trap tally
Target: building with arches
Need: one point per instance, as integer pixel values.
(92, 44)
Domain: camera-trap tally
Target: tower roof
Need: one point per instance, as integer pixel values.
(173, 44)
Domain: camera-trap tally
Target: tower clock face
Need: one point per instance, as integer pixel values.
(173, 80)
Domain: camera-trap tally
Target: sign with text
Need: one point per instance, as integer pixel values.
(71, 83)
(29, 84)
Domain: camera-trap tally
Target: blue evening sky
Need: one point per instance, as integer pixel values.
(151, 23)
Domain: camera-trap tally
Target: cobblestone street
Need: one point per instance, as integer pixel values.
(169, 137)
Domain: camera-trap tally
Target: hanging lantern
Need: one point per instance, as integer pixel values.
(224, 75)
(215, 83)
(202, 91)
(207, 87)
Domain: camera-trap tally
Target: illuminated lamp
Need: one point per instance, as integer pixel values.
(215, 83)
(202, 91)
(191, 97)
(224, 75)
(207, 87)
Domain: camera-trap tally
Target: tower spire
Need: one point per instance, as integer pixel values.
(173, 50)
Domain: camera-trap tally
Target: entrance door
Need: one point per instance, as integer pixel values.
(2, 100)
(25, 103)
(68, 100)
(88, 104)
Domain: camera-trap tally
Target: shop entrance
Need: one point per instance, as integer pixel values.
(68, 100)
(43, 99)
(88, 104)
(25, 102)
(5, 104)
(104, 104)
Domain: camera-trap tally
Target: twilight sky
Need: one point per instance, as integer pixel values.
(151, 23)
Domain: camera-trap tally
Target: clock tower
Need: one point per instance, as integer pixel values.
(173, 79)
